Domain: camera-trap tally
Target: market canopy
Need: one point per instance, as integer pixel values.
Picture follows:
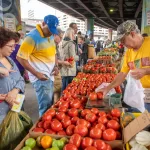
(106, 13)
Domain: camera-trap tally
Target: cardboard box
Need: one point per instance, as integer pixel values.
(138, 124)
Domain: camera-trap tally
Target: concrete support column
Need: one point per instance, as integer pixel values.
(110, 34)
(145, 27)
(10, 14)
(89, 26)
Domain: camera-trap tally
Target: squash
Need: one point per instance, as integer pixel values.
(139, 147)
(127, 118)
(143, 138)
(132, 142)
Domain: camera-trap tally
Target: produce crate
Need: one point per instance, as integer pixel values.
(98, 103)
(115, 100)
(22, 143)
(127, 145)
(117, 144)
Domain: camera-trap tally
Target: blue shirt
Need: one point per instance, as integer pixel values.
(14, 80)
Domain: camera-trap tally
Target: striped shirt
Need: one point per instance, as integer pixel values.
(39, 51)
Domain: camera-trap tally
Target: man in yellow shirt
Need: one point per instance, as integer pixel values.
(136, 58)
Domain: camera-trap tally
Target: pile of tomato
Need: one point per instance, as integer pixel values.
(91, 123)
(85, 84)
(99, 68)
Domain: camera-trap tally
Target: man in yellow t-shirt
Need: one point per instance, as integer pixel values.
(137, 57)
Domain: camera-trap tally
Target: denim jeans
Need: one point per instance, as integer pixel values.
(44, 94)
(66, 81)
(147, 107)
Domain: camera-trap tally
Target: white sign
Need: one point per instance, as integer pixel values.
(9, 23)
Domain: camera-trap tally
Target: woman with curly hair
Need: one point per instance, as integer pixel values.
(12, 82)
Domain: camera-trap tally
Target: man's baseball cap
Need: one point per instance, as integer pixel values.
(52, 22)
(125, 28)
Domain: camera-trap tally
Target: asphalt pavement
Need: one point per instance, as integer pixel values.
(30, 104)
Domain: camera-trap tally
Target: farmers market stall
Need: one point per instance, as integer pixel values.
(83, 120)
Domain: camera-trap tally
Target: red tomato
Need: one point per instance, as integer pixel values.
(62, 132)
(84, 112)
(70, 147)
(60, 115)
(40, 124)
(70, 130)
(66, 95)
(52, 112)
(115, 118)
(100, 95)
(109, 116)
(95, 133)
(73, 112)
(66, 122)
(109, 135)
(74, 95)
(95, 111)
(118, 135)
(62, 109)
(86, 142)
(93, 96)
(74, 120)
(75, 140)
(88, 124)
(83, 99)
(47, 117)
(81, 130)
(102, 113)
(103, 120)
(75, 104)
(82, 122)
(90, 148)
(115, 112)
(56, 125)
(108, 147)
(100, 126)
(64, 104)
(38, 130)
(113, 124)
(50, 131)
(91, 117)
(99, 144)
(47, 125)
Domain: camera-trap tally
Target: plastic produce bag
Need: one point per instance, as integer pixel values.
(13, 129)
(134, 93)
(103, 85)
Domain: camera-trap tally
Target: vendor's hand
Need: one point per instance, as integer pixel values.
(66, 63)
(2, 96)
(55, 71)
(41, 76)
(138, 73)
(5, 72)
(103, 90)
(11, 97)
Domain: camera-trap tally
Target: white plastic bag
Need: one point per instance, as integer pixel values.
(134, 93)
(103, 85)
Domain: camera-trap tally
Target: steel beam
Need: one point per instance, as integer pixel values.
(138, 9)
(106, 13)
(86, 8)
(121, 9)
